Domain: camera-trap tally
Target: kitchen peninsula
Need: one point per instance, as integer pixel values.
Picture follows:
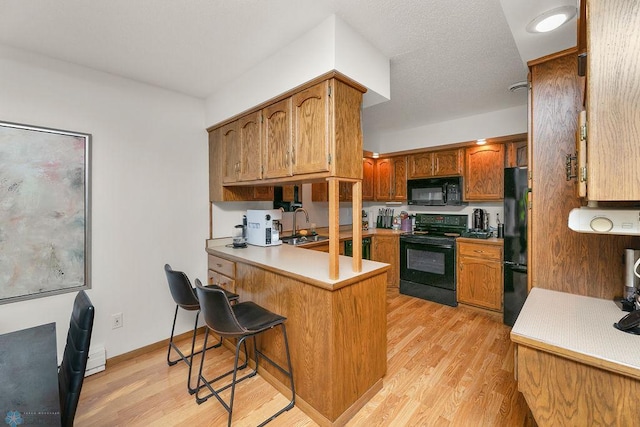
(337, 328)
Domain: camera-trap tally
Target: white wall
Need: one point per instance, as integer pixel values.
(149, 189)
(326, 47)
(510, 121)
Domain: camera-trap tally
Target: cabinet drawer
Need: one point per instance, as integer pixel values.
(221, 280)
(222, 266)
(480, 250)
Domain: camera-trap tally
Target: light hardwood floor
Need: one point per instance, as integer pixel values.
(446, 367)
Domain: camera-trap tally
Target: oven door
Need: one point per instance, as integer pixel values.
(428, 263)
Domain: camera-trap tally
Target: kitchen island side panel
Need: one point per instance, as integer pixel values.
(337, 338)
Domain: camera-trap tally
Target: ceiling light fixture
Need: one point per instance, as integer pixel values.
(375, 155)
(481, 141)
(551, 19)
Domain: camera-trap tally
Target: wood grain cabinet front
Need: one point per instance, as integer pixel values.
(484, 172)
(222, 272)
(480, 279)
(435, 163)
(390, 179)
(386, 248)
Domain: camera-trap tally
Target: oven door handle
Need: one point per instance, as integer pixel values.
(423, 243)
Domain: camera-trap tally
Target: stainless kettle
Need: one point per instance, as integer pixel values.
(480, 219)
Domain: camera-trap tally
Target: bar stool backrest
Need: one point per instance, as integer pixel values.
(181, 289)
(217, 311)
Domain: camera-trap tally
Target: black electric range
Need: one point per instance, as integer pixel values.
(428, 257)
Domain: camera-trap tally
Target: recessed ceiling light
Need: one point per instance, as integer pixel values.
(551, 19)
(481, 141)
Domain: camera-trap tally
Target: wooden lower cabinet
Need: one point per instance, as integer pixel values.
(386, 248)
(222, 272)
(480, 278)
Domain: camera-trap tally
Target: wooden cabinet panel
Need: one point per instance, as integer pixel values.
(613, 97)
(320, 192)
(221, 280)
(229, 140)
(516, 154)
(484, 175)
(447, 163)
(420, 165)
(386, 248)
(391, 179)
(250, 134)
(262, 193)
(311, 130)
(278, 139)
(383, 179)
(597, 271)
(480, 280)
(368, 167)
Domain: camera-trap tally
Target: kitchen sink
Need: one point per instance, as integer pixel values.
(300, 240)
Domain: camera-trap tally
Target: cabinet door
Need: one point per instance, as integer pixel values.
(383, 179)
(221, 280)
(517, 155)
(484, 172)
(277, 139)
(447, 163)
(421, 165)
(250, 147)
(480, 283)
(386, 248)
(229, 141)
(399, 181)
(613, 97)
(320, 192)
(311, 130)
(368, 166)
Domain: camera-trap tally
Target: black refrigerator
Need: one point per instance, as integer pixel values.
(516, 192)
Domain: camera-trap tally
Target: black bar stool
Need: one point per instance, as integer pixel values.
(242, 320)
(185, 297)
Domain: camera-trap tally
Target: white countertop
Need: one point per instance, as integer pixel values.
(578, 327)
(309, 265)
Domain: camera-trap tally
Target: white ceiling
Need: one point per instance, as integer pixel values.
(449, 59)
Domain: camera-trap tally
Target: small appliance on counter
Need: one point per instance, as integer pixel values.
(630, 294)
(263, 227)
(480, 225)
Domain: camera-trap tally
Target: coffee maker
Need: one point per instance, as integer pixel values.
(480, 220)
(263, 227)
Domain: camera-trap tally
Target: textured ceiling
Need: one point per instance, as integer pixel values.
(449, 59)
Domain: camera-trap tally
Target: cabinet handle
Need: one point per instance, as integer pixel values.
(571, 168)
(219, 265)
(293, 155)
(478, 251)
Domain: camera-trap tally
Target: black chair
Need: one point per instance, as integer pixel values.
(74, 359)
(241, 321)
(185, 297)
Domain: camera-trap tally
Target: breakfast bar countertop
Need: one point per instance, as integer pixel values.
(579, 328)
(307, 265)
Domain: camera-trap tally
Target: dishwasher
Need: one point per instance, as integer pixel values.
(366, 248)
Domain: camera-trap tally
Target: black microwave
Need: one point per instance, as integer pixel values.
(435, 191)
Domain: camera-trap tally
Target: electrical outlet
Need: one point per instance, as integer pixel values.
(116, 321)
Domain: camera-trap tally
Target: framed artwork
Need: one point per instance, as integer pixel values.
(44, 211)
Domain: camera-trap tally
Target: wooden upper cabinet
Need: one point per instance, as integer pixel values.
(277, 128)
(391, 179)
(447, 163)
(368, 167)
(311, 130)
(435, 163)
(484, 172)
(231, 152)
(613, 97)
(421, 165)
(516, 154)
(250, 134)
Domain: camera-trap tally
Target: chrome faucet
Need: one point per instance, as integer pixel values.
(295, 214)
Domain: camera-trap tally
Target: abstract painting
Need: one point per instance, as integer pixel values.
(44, 211)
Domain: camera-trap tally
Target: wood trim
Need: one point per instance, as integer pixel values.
(570, 51)
(334, 228)
(577, 357)
(356, 224)
(329, 75)
(497, 140)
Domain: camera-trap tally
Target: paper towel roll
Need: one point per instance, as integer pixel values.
(631, 281)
